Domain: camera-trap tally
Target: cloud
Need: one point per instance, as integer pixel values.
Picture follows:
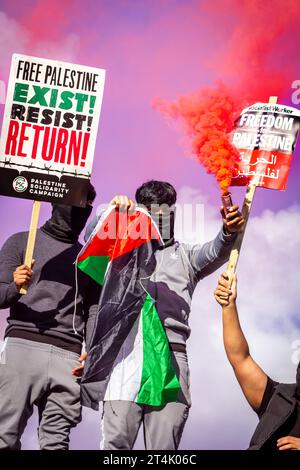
(13, 38)
(16, 37)
(268, 274)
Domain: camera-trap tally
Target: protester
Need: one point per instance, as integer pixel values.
(46, 329)
(178, 270)
(276, 404)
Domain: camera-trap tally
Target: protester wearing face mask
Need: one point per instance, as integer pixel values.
(45, 332)
(276, 404)
(179, 267)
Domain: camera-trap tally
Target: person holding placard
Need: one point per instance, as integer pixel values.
(46, 329)
(276, 404)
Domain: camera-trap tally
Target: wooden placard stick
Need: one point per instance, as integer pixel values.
(31, 238)
(235, 252)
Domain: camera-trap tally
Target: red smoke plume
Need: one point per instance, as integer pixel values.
(208, 117)
(255, 66)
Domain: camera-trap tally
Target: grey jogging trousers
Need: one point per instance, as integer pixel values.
(163, 426)
(33, 373)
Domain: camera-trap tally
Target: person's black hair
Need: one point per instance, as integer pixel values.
(156, 192)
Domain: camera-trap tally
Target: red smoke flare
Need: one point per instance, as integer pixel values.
(256, 65)
(208, 117)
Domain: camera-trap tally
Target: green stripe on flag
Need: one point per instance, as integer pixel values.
(95, 267)
(159, 383)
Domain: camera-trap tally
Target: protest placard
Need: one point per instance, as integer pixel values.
(265, 135)
(49, 130)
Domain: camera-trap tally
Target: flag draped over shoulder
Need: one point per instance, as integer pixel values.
(129, 356)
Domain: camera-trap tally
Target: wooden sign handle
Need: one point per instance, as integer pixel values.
(31, 238)
(235, 252)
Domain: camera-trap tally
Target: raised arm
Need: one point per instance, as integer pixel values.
(250, 376)
(207, 258)
(211, 256)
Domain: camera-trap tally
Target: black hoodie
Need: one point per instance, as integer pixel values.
(45, 313)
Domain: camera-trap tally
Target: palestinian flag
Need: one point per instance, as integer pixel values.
(129, 357)
(115, 234)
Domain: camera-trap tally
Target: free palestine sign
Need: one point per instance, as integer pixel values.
(49, 130)
(265, 135)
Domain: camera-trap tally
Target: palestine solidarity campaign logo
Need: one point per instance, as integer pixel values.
(20, 184)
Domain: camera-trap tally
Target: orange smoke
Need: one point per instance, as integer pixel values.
(255, 64)
(208, 118)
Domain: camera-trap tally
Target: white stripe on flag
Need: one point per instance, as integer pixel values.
(125, 379)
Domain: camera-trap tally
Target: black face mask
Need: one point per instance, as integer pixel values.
(165, 223)
(67, 222)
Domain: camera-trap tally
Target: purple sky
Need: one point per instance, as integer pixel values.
(168, 48)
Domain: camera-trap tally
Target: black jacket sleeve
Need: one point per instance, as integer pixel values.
(268, 393)
(11, 256)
